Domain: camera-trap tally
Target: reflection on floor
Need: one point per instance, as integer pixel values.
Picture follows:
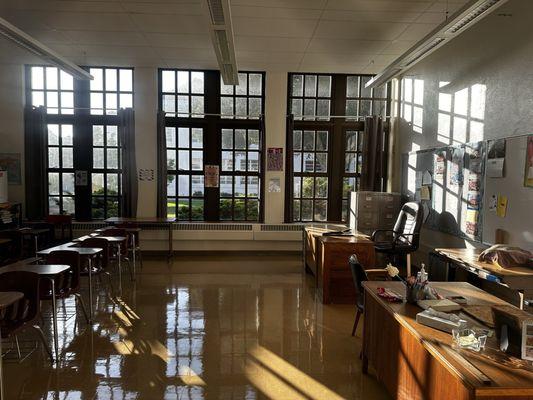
(238, 331)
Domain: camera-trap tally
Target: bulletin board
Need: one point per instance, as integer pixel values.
(449, 182)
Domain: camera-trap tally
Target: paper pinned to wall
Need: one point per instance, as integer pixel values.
(425, 194)
(495, 167)
(501, 209)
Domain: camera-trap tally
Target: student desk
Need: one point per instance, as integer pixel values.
(147, 220)
(327, 258)
(414, 361)
(515, 284)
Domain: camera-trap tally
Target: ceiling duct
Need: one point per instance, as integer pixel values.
(24, 40)
(221, 31)
(471, 13)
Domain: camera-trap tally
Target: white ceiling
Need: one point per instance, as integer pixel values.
(352, 36)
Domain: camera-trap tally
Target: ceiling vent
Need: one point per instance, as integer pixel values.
(471, 13)
(26, 41)
(221, 30)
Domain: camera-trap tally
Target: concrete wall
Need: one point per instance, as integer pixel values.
(487, 74)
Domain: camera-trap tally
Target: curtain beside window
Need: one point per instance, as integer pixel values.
(126, 131)
(161, 166)
(35, 160)
(372, 172)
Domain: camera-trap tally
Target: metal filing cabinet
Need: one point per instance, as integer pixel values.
(370, 211)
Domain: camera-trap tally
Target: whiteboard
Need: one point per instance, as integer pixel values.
(518, 222)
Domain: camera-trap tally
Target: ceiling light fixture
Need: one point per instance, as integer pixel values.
(221, 31)
(473, 12)
(24, 40)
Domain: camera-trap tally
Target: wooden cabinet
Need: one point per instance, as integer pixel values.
(327, 258)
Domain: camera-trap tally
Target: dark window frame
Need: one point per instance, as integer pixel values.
(212, 143)
(338, 127)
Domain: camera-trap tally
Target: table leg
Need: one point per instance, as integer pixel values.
(134, 244)
(1, 371)
(36, 245)
(54, 317)
(90, 263)
(119, 270)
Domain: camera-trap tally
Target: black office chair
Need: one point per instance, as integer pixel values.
(405, 236)
(360, 275)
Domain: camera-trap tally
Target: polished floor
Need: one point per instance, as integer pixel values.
(228, 327)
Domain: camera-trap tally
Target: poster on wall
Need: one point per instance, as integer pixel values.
(440, 167)
(456, 167)
(528, 178)
(275, 159)
(496, 158)
(10, 162)
(211, 176)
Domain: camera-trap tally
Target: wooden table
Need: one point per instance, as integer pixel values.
(147, 220)
(327, 257)
(50, 272)
(6, 299)
(414, 361)
(87, 252)
(519, 279)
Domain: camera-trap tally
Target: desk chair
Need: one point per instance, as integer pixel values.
(360, 275)
(405, 236)
(63, 223)
(24, 313)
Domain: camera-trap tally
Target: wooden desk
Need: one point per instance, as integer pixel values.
(519, 279)
(147, 220)
(327, 257)
(417, 362)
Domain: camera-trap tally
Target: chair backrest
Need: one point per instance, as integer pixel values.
(71, 258)
(27, 308)
(408, 225)
(63, 222)
(99, 243)
(359, 276)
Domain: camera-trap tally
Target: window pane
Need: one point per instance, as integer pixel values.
(323, 108)
(37, 77)
(197, 160)
(126, 80)
(183, 138)
(365, 108)
(197, 138)
(321, 210)
(321, 187)
(324, 86)
(168, 79)
(252, 210)
(169, 103)
(171, 185)
(240, 186)
(183, 106)
(352, 86)
(322, 140)
(112, 158)
(242, 87)
(183, 209)
(238, 210)
(240, 161)
(97, 183)
(253, 161)
(68, 161)
(197, 106)
(197, 82)
(126, 100)
(67, 102)
(68, 205)
(226, 186)
(98, 135)
(309, 140)
(98, 82)
(171, 207)
(297, 187)
(183, 82)
(111, 103)
(183, 185)
(66, 135)
(197, 209)
(53, 205)
(227, 161)
(255, 84)
(37, 99)
(197, 183)
(98, 158)
(171, 136)
(310, 85)
(307, 187)
(350, 163)
(297, 107)
(253, 186)
(297, 140)
(97, 103)
(52, 102)
(51, 78)
(227, 139)
(309, 162)
(240, 107)
(297, 85)
(296, 210)
(254, 105)
(112, 184)
(112, 207)
(240, 139)
(183, 160)
(110, 79)
(307, 210)
(253, 139)
(225, 209)
(98, 207)
(225, 89)
(53, 157)
(66, 81)
(53, 183)
(309, 108)
(297, 162)
(53, 134)
(226, 105)
(351, 107)
(321, 160)
(112, 136)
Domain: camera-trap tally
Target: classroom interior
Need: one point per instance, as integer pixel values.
(292, 199)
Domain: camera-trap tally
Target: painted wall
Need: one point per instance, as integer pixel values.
(478, 86)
